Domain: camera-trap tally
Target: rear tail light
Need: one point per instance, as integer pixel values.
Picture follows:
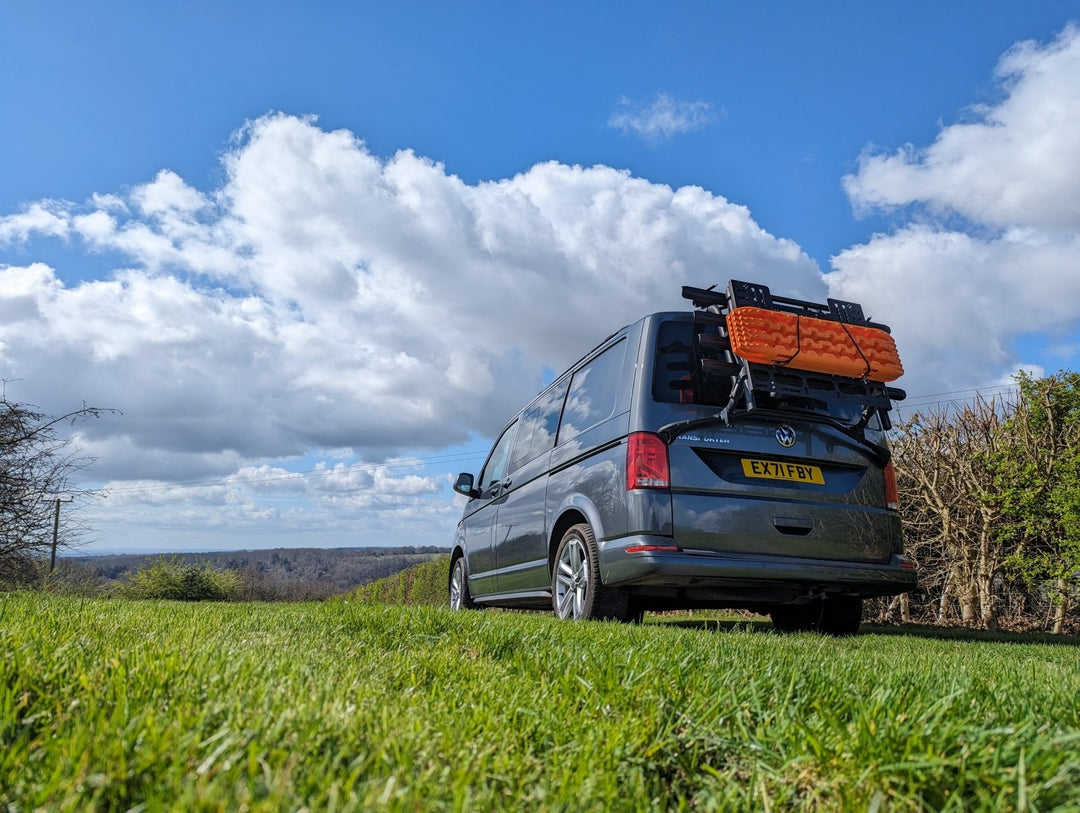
(646, 462)
(892, 494)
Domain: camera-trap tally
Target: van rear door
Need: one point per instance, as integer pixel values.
(789, 489)
(774, 482)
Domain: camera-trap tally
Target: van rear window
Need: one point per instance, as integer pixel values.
(674, 377)
(694, 365)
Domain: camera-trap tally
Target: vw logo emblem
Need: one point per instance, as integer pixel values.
(785, 436)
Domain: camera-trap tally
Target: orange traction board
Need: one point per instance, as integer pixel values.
(807, 343)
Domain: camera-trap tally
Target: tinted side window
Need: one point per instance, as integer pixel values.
(593, 391)
(495, 468)
(537, 427)
(692, 365)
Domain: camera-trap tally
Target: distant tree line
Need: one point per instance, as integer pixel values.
(279, 574)
(990, 498)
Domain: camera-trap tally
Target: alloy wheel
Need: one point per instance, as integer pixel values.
(572, 580)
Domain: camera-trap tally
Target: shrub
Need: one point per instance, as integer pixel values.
(72, 579)
(425, 584)
(171, 578)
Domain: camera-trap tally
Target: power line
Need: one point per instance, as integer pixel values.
(923, 401)
(977, 390)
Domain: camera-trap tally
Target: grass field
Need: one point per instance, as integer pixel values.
(111, 705)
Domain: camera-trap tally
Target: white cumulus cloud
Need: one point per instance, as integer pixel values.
(45, 217)
(959, 298)
(1014, 163)
(323, 297)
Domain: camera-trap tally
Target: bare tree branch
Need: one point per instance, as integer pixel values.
(38, 465)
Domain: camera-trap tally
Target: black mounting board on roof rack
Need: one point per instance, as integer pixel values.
(753, 294)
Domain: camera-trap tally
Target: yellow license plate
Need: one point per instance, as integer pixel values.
(777, 470)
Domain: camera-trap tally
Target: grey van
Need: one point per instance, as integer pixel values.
(665, 471)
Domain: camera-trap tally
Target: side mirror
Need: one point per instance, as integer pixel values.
(464, 484)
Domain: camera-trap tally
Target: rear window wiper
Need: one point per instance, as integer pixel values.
(670, 431)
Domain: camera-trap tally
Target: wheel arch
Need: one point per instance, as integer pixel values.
(457, 551)
(571, 513)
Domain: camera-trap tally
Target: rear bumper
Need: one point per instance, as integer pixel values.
(678, 571)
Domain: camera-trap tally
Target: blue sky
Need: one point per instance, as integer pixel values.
(274, 234)
(103, 96)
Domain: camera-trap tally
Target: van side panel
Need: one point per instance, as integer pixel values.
(588, 463)
(592, 467)
(476, 532)
(521, 531)
(648, 511)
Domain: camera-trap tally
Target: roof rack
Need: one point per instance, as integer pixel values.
(752, 294)
(781, 355)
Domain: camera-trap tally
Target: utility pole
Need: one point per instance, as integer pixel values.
(56, 531)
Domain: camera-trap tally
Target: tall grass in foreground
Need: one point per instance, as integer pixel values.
(115, 704)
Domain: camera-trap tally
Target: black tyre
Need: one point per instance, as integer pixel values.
(837, 615)
(576, 589)
(842, 616)
(460, 597)
(796, 617)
